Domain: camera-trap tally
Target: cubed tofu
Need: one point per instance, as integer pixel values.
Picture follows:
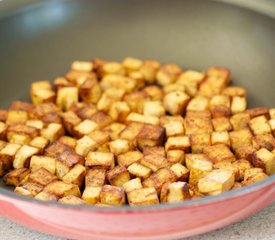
(100, 159)
(229, 166)
(85, 127)
(219, 72)
(158, 178)
(120, 146)
(245, 151)
(173, 87)
(211, 86)
(259, 125)
(253, 175)
(135, 100)
(175, 156)
(220, 138)
(45, 196)
(139, 170)
(70, 119)
(131, 131)
(69, 141)
(119, 111)
(240, 137)
(176, 102)
(154, 161)
(220, 106)
(52, 132)
(118, 176)
(219, 152)
(173, 125)
(46, 112)
(23, 155)
(14, 177)
(76, 175)
(95, 177)
(132, 185)
(264, 159)
(258, 111)
(174, 192)
(217, 181)
(41, 92)
(160, 151)
(101, 119)
(242, 165)
(233, 91)
(84, 145)
(129, 158)
(178, 143)
(180, 171)
(48, 163)
(41, 176)
(70, 199)
(131, 64)
(272, 113)
(91, 195)
(3, 131)
(90, 91)
(61, 82)
(221, 124)
(198, 122)
(82, 66)
(29, 189)
(117, 81)
(168, 74)
(15, 117)
(104, 102)
(198, 103)
(7, 155)
(153, 108)
(66, 96)
(39, 142)
(149, 70)
(38, 124)
(99, 136)
(150, 136)
(113, 130)
(153, 92)
(199, 142)
(238, 104)
(62, 189)
(264, 141)
(21, 134)
(136, 117)
(143, 196)
(113, 68)
(112, 195)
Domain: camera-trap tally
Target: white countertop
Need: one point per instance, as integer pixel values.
(260, 226)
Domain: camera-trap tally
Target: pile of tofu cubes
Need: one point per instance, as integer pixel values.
(134, 132)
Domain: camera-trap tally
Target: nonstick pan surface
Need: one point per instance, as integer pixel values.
(40, 41)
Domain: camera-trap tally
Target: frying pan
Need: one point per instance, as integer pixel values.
(40, 41)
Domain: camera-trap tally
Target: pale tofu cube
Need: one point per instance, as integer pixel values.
(238, 104)
(220, 138)
(153, 108)
(119, 146)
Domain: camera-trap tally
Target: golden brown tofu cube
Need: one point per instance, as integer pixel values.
(84, 145)
(150, 136)
(245, 151)
(180, 171)
(264, 159)
(175, 156)
(258, 111)
(46, 112)
(175, 102)
(220, 106)
(3, 130)
(62, 189)
(41, 176)
(178, 143)
(220, 138)
(153, 108)
(68, 141)
(132, 185)
(90, 91)
(113, 130)
(154, 161)
(240, 121)
(43, 162)
(119, 146)
(272, 125)
(113, 68)
(174, 192)
(70, 119)
(143, 196)
(259, 125)
(100, 159)
(21, 134)
(238, 104)
(35, 123)
(191, 80)
(83, 110)
(91, 195)
(70, 199)
(199, 142)
(264, 141)
(117, 81)
(253, 175)
(211, 86)
(23, 155)
(135, 100)
(158, 178)
(139, 170)
(173, 87)
(101, 119)
(131, 131)
(119, 111)
(104, 102)
(168, 74)
(228, 166)
(15, 176)
(45, 196)
(52, 132)
(233, 91)
(221, 124)
(76, 175)
(160, 151)
(217, 181)
(15, 117)
(95, 177)
(198, 122)
(136, 117)
(7, 155)
(3, 115)
(29, 189)
(82, 66)
(154, 93)
(100, 137)
(198, 103)
(128, 158)
(66, 96)
(242, 165)
(219, 72)
(240, 137)
(85, 127)
(272, 113)
(173, 125)
(219, 152)
(112, 195)
(149, 69)
(118, 176)
(131, 64)
(41, 92)
(61, 82)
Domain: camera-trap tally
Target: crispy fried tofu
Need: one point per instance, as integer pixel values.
(70, 119)
(259, 125)
(160, 151)
(132, 185)
(178, 143)
(119, 111)
(71, 199)
(23, 155)
(168, 74)
(136, 117)
(52, 132)
(129, 158)
(176, 102)
(233, 91)
(95, 177)
(118, 176)
(90, 91)
(38, 124)
(154, 161)
(143, 196)
(219, 152)
(242, 165)
(29, 189)
(15, 176)
(112, 195)
(7, 155)
(198, 103)
(174, 125)
(66, 96)
(15, 117)
(174, 192)
(220, 106)
(153, 108)
(180, 171)
(113, 130)
(139, 170)
(158, 178)
(41, 176)
(62, 189)
(91, 194)
(221, 124)
(245, 151)
(199, 142)
(240, 137)
(101, 119)
(41, 92)
(117, 81)
(84, 145)
(264, 159)
(238, 104)
(99, 136)
(82, 66)
(76, 175)
(220, 138)
(48, 163)
(173, 87)
(100, 159)
(47, 112)
(240, 121)
(131, 131)
(120, 146)
(175, 156)
(21, 134)
(45, 196)
(258, 111)
(131, 64)
(68, 141)
(253, 175)
(264, 141)
(85, 127)
(149, 70)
